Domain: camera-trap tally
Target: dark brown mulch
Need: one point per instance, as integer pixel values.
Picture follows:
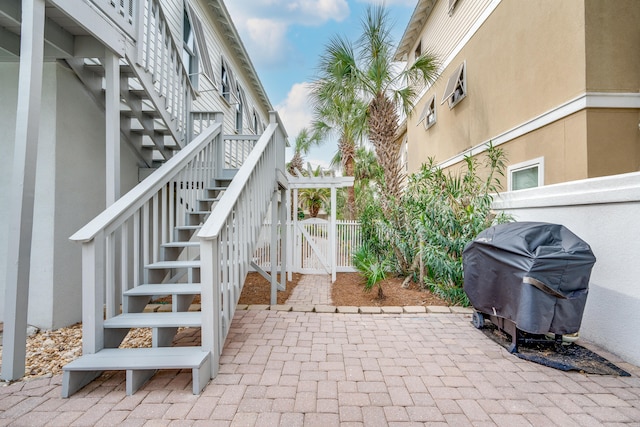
(348, 290)
(257, 290)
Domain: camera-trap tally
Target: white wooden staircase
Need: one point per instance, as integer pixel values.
(176, 274)
(187, 229)
(181, 232)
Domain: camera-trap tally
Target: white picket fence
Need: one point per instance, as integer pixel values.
(310, 246)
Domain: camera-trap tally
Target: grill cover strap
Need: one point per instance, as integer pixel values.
(544, 288)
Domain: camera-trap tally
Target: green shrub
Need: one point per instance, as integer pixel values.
(425, 233)
(371, 267)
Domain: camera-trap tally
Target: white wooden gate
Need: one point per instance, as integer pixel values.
(309, 246)
(312, 248)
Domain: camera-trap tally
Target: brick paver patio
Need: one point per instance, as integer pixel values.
(286, 368)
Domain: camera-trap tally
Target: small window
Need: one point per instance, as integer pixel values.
(428, 115)
(189, 57)
(418, 50)
(225, 87)
(456, 89)
(527, 174)
(228, 87)
(239, 108)
(254, 122)
(195, 29)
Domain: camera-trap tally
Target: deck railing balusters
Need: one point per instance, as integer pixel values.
(120, 241)
(223, 266)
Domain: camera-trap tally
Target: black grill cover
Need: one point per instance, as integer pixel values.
(534, 274)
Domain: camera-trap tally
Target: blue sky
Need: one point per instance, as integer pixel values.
(285, 39)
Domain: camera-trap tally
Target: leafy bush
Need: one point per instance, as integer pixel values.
(438, 215)
(371, 267)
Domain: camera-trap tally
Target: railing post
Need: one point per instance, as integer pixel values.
(210, 302)
(284, 213)
(274, 248)
(332, 235)
(112, 125)
(93, 287)
(219, 150)
(289, 226)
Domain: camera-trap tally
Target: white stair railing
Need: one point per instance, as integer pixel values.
(158, 54)
(228, 237)
(119, 242)
(237, 148)
(145, 39)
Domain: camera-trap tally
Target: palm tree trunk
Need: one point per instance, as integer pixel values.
(383, 124)
(349, 170)
(348, 151)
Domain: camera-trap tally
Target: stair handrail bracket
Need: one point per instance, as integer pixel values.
(120, 241)
(228, 237)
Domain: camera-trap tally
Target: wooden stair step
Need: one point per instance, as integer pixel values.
(130, 114)
(155, 320)
(198, 212)
(140, 364)
(181, 244)
(188, 227)
(195, 263)
(165, 289)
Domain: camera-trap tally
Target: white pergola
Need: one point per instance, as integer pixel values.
(297, 182)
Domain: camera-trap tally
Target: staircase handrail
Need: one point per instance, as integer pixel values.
(122, 209)
(211, 229)
(230, 233)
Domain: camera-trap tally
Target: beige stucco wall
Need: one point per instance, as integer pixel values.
(562, 145)
(613, 141)
(527, 58)
(612, 45)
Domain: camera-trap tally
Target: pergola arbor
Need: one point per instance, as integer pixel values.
(298, 182)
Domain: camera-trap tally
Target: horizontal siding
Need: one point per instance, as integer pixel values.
(173, 12)
(442, 33)
(209, 98)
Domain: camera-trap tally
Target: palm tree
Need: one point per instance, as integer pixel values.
(314, 199)
(339, 110)
(304, 141)
(367, 69)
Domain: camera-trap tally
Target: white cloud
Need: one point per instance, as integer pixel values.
(263, 24)
(268, 38)
(295, 111)
(319, 11)
(407, 3)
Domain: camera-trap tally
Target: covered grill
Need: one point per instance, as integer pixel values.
(528, 276)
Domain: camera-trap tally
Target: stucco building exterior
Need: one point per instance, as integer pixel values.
(555, 84)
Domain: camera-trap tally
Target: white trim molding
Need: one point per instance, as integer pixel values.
(586, 100)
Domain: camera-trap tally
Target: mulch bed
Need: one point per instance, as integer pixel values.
(257, 290)
(348, 290)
